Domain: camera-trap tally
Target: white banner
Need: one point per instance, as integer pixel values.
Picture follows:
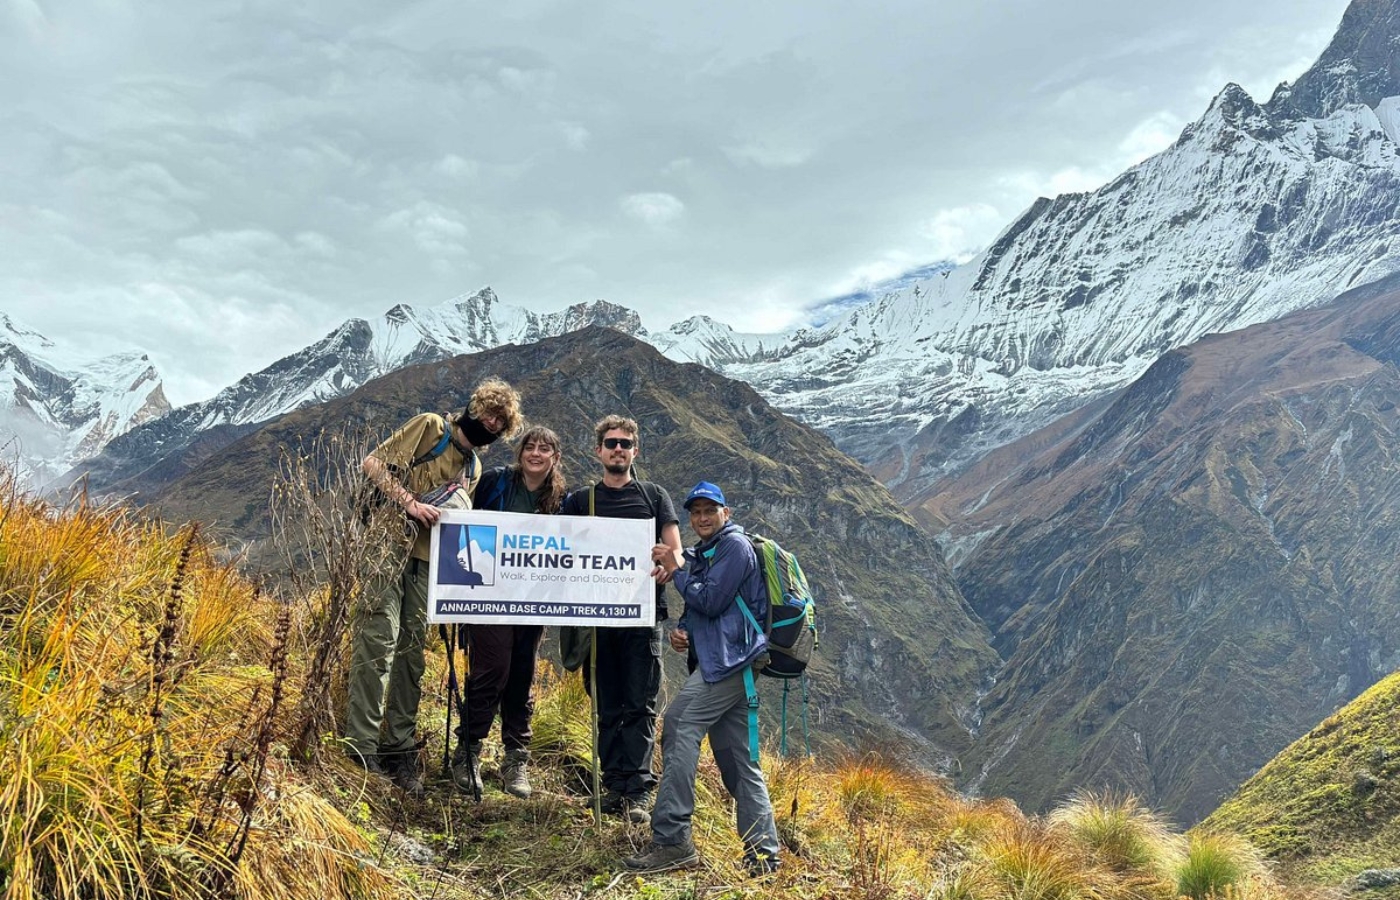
(501, 568)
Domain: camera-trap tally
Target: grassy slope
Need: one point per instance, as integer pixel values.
(1327, 807)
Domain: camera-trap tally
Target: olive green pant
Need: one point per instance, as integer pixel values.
(386, 665)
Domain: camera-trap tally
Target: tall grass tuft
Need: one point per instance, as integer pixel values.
(1118, 833)
(1029, 862)
(868, 787)
(1214, 863)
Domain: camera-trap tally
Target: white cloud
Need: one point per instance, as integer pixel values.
(1151, 136)
(654, 209)
(459, 168)
(317, 161)
(575, 135)
(28, 14)
(434, 228)
(960, 233)
(768, 156)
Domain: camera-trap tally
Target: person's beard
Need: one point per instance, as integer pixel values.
(617, 468)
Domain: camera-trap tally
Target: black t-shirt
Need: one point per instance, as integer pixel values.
(627, 502)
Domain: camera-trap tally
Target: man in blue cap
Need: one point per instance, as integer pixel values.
(719, 698)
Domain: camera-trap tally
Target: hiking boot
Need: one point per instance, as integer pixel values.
(612, 802)
(466, 768)
(408, 772)
(663, 858)
(514, 777)
(367, 761)
(637, 809)
(761, 864)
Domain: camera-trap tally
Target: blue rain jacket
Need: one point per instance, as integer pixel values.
(717, 573)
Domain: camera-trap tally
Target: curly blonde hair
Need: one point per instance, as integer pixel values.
(496, 396)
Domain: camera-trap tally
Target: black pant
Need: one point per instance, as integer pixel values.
(501, 662)
(629, 678)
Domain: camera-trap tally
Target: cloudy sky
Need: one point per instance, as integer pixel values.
(220, 182)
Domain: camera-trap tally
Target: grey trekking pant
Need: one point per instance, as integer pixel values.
(386, 665)
(721, 710)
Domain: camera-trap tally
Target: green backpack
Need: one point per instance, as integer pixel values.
(791, 629)
(791, 625)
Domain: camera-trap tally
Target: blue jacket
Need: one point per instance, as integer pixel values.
(716, 573)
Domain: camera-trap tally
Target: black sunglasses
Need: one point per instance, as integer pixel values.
(614, 443)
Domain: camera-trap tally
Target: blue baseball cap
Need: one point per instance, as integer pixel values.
(705, 491)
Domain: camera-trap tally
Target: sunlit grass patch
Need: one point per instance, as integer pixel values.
(1215, 862)
(1117, 832)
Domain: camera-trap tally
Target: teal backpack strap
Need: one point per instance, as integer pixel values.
(750, 689)
(751, 692)
(782, 743)
(806, 738)
(437, 448)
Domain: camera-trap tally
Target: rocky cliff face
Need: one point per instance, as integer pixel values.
(901, 654)
(1256, 211)
(1186, 577)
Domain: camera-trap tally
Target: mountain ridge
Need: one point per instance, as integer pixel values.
(874, 570)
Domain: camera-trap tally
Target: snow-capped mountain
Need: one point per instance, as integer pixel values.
(361, 349)
(701, 339)
(1256, 211)
(57, 408)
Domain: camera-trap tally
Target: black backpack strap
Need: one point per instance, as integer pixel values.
(652, 497)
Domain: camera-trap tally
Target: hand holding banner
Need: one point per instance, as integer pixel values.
(515, 569)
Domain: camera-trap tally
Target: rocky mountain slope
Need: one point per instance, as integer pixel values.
(57, 409)
(1187, 575)
(901, 657)
(1256, 211)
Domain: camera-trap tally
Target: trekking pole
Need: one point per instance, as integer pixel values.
(593, 680)
(464, 716)
(450, 643)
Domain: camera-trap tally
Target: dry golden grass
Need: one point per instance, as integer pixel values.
(147, 698)
(137, 723)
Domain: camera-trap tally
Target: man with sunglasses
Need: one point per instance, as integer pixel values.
(427, 452)
(629, 659)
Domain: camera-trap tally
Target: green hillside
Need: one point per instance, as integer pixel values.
(1328, 807)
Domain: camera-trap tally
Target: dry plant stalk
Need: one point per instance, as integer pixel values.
(162, 665)
(334, 561)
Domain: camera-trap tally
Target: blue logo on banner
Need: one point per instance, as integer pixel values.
(467, 555)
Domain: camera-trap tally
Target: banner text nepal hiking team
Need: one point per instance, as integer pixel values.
(431, 463)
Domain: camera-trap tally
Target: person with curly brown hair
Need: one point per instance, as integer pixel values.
(386, 667)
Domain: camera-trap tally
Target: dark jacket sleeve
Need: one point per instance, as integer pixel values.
(711, 593)
(493, 489)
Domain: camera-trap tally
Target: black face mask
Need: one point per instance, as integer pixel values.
(478, 435)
